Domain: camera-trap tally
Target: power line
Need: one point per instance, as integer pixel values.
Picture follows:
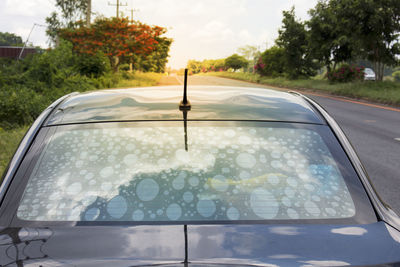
(117, 5)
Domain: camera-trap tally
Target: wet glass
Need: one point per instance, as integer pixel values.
(144, 173)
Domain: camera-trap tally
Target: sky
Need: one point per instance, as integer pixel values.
(201, 29)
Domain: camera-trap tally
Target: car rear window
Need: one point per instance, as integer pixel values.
(149, 173)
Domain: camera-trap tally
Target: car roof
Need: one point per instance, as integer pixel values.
(162, 104)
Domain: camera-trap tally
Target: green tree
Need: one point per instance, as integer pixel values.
(213, 65)
(328, 38)
(348, 30)
(194, 66)
(95, 65)
(68, 12)
(206, 65)
(118, 39)
(236, 62)
(378, 32)
(219, 64)
(293, 39)
(251, 53)
(272, 62)
(157, 60)
(10, 39)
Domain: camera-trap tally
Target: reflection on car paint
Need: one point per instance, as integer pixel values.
(208, 104)
(23, 245)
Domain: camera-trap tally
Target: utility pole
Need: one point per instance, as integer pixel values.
(27, 39)
(117, 5)
(133, 10)
(88, 12)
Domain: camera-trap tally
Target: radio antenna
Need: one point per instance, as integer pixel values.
(185, 107)
(185, 104)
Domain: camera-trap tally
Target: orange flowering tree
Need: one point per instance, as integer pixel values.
(118, 39)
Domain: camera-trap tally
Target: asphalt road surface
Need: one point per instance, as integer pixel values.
(374, 131)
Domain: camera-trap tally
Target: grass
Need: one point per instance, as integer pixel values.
(140, 79)
(386, 92)
(9, 141)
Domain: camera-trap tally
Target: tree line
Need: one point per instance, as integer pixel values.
(338, 33)
(121, 40)
(234, 62)
(82, 57)
(10, 39)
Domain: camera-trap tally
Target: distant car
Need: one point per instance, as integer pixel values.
(369, 74)
(244, 177)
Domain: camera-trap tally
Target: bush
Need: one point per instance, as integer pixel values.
(124, 67)
(28, 86)
(206, 65)
(93, 66)
(19, 106)
(127, 75)
(235, 62)
(9, 141)
(108, 80)
(346, 73)
(396, 76)
(271, 62)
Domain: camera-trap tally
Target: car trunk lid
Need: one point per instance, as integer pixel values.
(249, 245)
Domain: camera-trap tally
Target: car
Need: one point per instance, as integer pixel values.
(369, 74)
(228, 176)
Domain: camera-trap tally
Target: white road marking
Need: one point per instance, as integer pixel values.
(397, 139)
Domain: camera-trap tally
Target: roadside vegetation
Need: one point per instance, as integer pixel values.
(329, 52)
(139, 79)
(9, 141)
(99, 54)
(386, 92)
(30, 85)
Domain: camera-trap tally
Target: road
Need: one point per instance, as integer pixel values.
(373, 130)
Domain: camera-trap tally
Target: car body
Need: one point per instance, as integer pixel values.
(126, 178)
(369, 74)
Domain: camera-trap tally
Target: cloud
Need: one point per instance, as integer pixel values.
(214, 31)
(28, 8)
(19, 16)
